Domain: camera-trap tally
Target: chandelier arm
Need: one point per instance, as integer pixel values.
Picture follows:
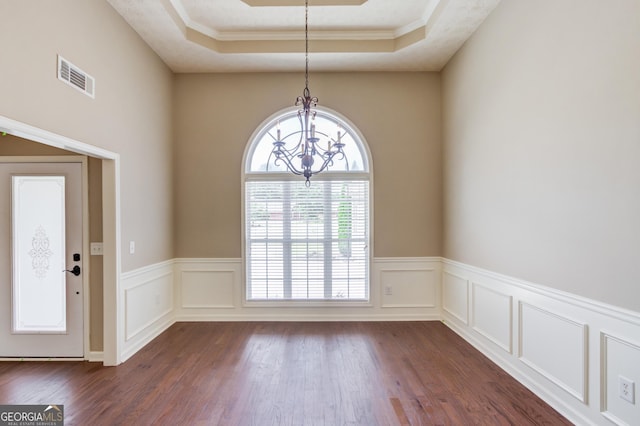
(346, 160)
(290, 166)
(330, 156)
(327, 162)
(291, 151)
(275, 160)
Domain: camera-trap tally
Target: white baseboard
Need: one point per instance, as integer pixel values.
(95, 356)
(145, 338)
(301, 317)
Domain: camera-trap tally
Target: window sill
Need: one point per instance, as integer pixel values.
(307, 304)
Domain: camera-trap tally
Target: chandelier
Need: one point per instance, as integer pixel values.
(306, 151)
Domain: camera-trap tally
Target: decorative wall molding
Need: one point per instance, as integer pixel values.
(407, 282)
(213, 290)
(147, 301)
(617, 355)
(496, 323)
(455, 296)
(555, 346)
(567, 347)
(207, 289)
(562, 354)
(148, 304)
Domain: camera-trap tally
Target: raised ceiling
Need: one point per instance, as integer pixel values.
(268, 35)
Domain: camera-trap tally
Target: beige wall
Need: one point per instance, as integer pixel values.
(542, 141)
(14, 146)
(130, 115)
(96, 310)
(398, 114)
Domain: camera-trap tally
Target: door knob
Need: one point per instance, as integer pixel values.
(75, 271)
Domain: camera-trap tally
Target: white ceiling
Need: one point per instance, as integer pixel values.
(268, 35)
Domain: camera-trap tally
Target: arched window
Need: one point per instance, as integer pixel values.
(307, 243)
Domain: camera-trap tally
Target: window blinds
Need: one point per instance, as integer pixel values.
(307, 243)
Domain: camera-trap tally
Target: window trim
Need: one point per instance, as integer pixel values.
(326, 175)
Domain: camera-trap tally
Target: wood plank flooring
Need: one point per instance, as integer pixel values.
(283, 373)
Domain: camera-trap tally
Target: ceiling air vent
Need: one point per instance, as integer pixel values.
(75, 77)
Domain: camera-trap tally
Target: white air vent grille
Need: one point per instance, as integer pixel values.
(75, 77)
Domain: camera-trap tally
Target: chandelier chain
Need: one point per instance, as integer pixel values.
(306, 44)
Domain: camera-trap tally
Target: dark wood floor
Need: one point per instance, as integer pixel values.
(353, 373)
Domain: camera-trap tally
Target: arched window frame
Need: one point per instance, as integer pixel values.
(365, 175)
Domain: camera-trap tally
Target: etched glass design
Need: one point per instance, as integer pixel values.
(38, 252)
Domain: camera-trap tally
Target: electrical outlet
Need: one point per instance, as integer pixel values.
(132, 247)
(388, 290)
(627, 389)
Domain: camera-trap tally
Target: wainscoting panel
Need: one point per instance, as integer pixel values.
(213, 290)
(148, 299)
(492, 315)
(403, 287)
(569, 350)
(208, 289)
(455, 296)
(619, 353)
(555, 347)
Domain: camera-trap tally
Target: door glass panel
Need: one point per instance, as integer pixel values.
(38, 253)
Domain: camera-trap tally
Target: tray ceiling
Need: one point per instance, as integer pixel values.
(268, 35)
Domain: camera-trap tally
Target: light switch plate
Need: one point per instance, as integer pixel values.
(97, 249)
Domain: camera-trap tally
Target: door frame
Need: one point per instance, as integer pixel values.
(85, 260)
(113, 335)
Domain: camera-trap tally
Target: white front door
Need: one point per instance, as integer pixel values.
(41, 260)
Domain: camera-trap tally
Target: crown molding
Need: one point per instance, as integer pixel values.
(284, 41)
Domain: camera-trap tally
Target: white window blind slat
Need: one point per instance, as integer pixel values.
(307, 243)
